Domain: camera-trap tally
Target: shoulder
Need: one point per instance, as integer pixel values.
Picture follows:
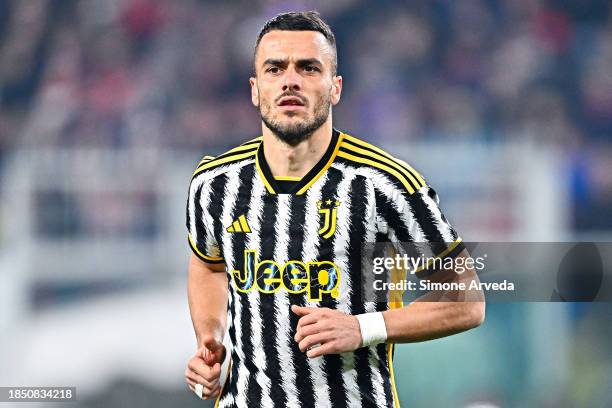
(210, 167)
(380, 166)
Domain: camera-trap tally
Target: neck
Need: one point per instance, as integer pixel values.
(296, 161)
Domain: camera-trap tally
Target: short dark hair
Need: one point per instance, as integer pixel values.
(300, 21)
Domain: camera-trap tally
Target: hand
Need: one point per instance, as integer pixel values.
(335, 331)
(205, 367)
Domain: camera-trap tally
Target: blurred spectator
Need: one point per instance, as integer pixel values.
(159, 73)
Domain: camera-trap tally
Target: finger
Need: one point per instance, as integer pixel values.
(318, 338)
(217, 370)
(200, 368)
(307, 331)
(212, 357)
(211, 373)
(202, 380)
(210, 391)
(205, 371)
(206, 391)
(308, 319)
(209, 357)
(327, 348)
(192, 384)
(189, 377)
(198, 379)
(196, 362)
(303, 310)
(214, 393)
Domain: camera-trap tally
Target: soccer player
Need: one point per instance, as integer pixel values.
(276, 226)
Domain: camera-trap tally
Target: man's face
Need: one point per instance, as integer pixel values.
(294, 86)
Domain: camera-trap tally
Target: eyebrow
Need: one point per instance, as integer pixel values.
(300, 63)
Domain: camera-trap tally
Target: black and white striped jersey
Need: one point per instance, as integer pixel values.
(303, 247)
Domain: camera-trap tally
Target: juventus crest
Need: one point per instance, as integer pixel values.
(328, 209)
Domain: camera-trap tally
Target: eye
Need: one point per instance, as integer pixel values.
(311, 68)
(273, 70)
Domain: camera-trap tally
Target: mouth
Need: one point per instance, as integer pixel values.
(291, 103)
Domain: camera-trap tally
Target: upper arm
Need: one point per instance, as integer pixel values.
(201, 235)
(196, 265)
(416, 225)
(207, 293)
(208, 276)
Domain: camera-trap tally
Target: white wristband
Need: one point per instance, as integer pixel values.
(372, 327)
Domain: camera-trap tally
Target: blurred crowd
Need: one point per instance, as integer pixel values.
(173, 74)
(159, 77)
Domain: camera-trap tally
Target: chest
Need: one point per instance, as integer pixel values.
(271, 223)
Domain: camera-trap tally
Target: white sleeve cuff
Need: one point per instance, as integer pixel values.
(372, 327)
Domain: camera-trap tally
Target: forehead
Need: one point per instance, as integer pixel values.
(293, 44)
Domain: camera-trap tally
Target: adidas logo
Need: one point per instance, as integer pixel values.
(240, 225)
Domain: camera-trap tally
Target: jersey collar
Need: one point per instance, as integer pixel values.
(308, 180)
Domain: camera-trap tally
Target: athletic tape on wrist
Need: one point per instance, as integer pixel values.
(372, 327)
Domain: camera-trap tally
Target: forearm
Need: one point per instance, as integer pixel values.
(438, 313)
(207, 292)
(422, 320)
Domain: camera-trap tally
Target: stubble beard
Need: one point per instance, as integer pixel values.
(297, 132)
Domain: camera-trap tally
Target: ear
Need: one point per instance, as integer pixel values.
(336, 89)
(254, 91)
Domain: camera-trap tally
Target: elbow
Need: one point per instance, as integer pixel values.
(475, 314)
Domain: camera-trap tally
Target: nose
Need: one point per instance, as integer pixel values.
(292, 80)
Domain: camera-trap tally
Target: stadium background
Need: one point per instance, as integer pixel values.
(106, 105)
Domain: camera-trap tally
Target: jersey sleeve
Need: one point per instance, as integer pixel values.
(200, 231)
(416, 226)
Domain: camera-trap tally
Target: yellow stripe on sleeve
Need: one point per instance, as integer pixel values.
(387, 155)
(218, 162)
(386, 168)
(391, 163)
(195, 248)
